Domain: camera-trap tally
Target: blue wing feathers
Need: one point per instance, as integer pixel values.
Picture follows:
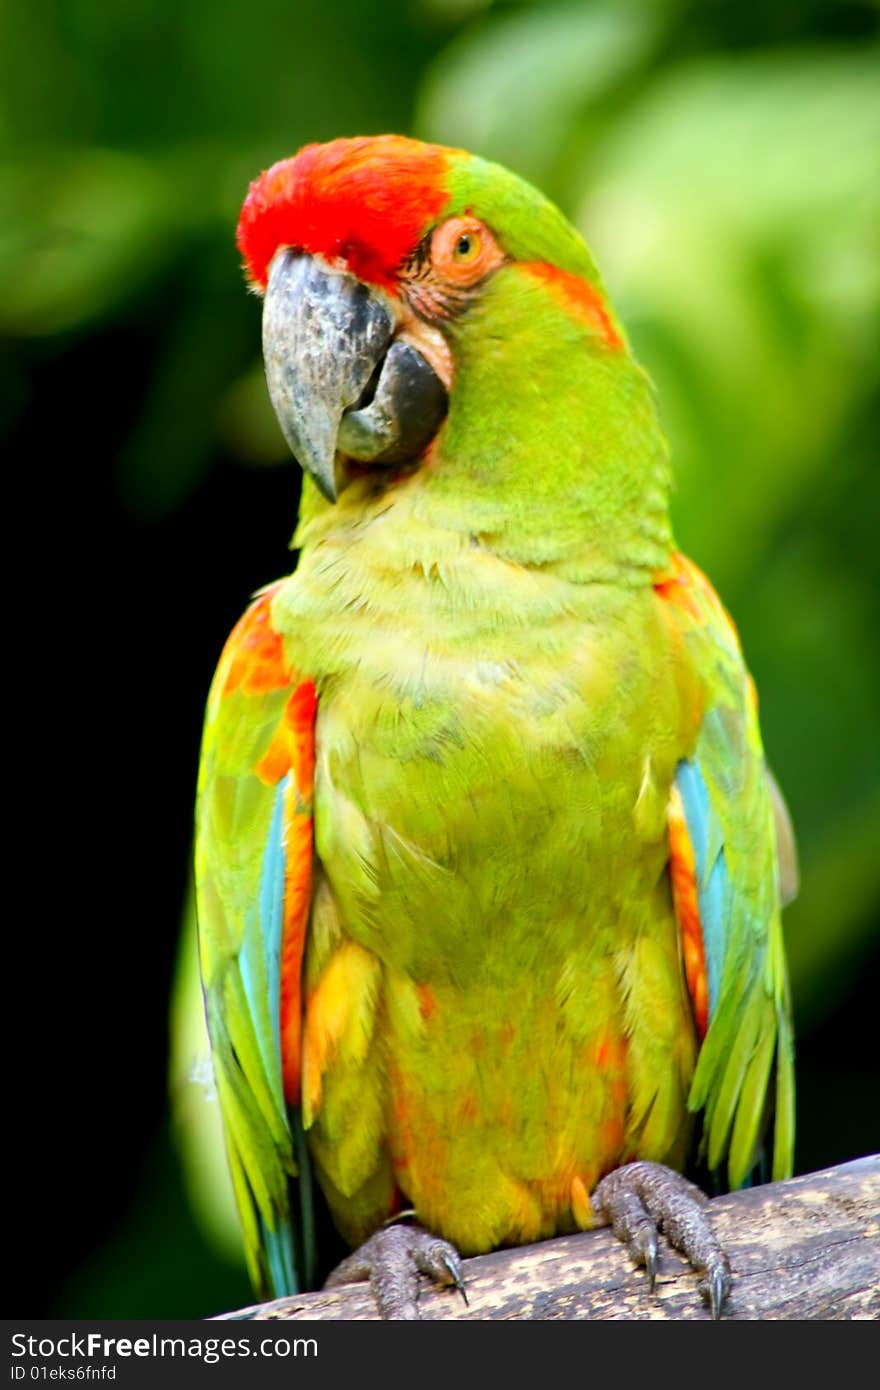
(272, 907)
(260, 956)
(278, 1247)
(714, 892)
(748, 1029)
(260, 969)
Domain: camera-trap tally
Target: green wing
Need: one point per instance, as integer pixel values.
(740, 836)
(253, 864)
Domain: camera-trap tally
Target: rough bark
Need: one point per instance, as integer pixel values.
(806, 1248)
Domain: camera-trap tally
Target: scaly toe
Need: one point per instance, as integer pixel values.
(643, 1197)
(392, 1260)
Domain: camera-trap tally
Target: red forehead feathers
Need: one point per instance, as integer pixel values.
(365, 202)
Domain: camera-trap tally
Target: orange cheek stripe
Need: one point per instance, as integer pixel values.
(682, 872)
(580, 296)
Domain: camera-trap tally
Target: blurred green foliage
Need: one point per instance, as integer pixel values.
(723, 161)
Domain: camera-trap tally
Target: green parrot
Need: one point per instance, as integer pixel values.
(489, 862)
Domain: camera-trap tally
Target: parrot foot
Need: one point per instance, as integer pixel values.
(392, 1259)
(642, 1198)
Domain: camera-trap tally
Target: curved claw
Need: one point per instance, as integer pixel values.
(651, 1263)
(715, 1288)
(455, 1276)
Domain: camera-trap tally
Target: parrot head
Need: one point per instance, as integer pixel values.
(434, 325)
(378, 260)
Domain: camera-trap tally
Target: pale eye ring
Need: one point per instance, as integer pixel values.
(463, 250)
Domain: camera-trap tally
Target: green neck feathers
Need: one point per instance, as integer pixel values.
(551, 454)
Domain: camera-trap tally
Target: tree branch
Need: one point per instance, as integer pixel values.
(806, 1248)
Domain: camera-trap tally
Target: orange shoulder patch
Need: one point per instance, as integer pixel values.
(686, 587)
(254, 664)
(253, 658)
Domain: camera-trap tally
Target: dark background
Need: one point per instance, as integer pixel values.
(722, 159)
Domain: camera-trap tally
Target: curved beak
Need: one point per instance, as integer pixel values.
(341, 384)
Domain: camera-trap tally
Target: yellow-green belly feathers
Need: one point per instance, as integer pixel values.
(495, 1011)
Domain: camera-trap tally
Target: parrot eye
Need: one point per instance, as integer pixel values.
(463, 251)
(467, 246)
